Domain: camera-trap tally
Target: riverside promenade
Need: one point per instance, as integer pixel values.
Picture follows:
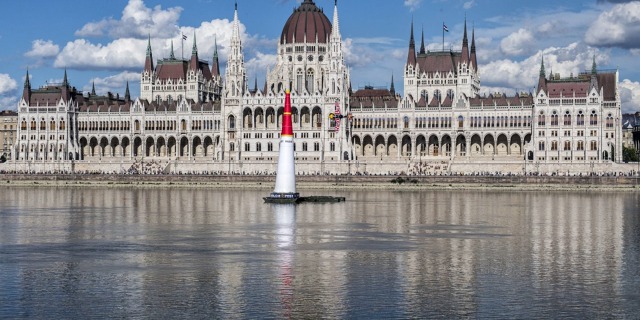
(516, 182)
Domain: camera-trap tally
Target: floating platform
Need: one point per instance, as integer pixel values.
(315, 199)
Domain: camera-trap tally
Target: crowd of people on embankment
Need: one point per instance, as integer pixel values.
(156, 168)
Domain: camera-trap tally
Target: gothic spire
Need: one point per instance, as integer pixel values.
(465, 45)
(172, 56)
(393, 87)
(594, 69)
(542, 80)
(194, 50)
(27, 82)
(422, 50)
(65, 82)
(335, 32)
(411, 57)
(215, 65)
(148, 62)
(473, 57)
(93, 88)
(26, 92)
(127, 95)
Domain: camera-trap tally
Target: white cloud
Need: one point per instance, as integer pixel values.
(130, 53)
(630, 96)
(7, 84)
(41, 49)
(412, 4)
(469, 4)
(522, 75)
(115, 83)
(518, 43)
(120, 54)
(260, 62)
(137, 21)
(618, 27)
(9, 103)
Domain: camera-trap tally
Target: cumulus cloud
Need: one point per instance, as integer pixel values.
(7, 84)
(522, 75)
(518, 43)
(120, 54)
(129, 53)
(115, 83)
(137, 21)
(260, 62)
(413, 5)
(630, 96)
(41, 49)
(618, 27)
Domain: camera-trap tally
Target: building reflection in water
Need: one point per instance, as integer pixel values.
(174, 252)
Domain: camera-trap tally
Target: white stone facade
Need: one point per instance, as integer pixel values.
(191, 119)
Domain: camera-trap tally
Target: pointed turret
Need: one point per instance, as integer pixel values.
(594, 74)
(193, 64)
(335, 29)
(474, 61)
(26, 92)
(172, 55)
(93, 88)
(148, 62)
(542, 81)
(422, 50)
(393, 86)
(127, 95)
(465, 45)
(215, 64)
(65, 87)
(411, 57)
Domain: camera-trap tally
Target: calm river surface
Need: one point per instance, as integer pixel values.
(207, 253)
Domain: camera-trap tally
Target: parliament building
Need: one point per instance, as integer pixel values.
(193, 118)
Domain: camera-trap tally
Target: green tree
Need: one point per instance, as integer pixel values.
(629, 154)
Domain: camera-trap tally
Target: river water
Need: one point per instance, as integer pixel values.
(215, 253)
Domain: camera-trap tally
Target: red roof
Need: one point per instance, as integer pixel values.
(307, 20)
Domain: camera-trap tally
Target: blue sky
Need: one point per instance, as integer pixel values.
(104, 41)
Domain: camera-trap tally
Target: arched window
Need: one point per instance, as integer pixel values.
(541, 119)
(580, 119)
(437, 95)
(310, 79)
(593, 119)
(299, 81)
(232, 122)
(450, 94)
(567, 118)
(424, 94)
(460, 121)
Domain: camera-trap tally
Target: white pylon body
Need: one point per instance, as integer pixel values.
(286, 175)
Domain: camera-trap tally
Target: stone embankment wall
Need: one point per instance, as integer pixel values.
(269, 180)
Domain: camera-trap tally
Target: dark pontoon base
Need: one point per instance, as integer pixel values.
(316, 199)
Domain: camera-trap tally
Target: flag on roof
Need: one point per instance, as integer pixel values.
(444, 27)
(184, 37)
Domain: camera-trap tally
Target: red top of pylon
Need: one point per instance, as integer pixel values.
(287, 126)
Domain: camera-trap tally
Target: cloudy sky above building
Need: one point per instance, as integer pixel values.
(104, 42)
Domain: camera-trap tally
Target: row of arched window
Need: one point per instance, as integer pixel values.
(593, 146)
(568, 119)
(60, 125)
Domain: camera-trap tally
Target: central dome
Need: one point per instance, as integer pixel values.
(307, 20)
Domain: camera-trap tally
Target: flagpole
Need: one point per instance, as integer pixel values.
(442, 35)
(182, 45)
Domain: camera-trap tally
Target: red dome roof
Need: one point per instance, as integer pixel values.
(307, 20)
